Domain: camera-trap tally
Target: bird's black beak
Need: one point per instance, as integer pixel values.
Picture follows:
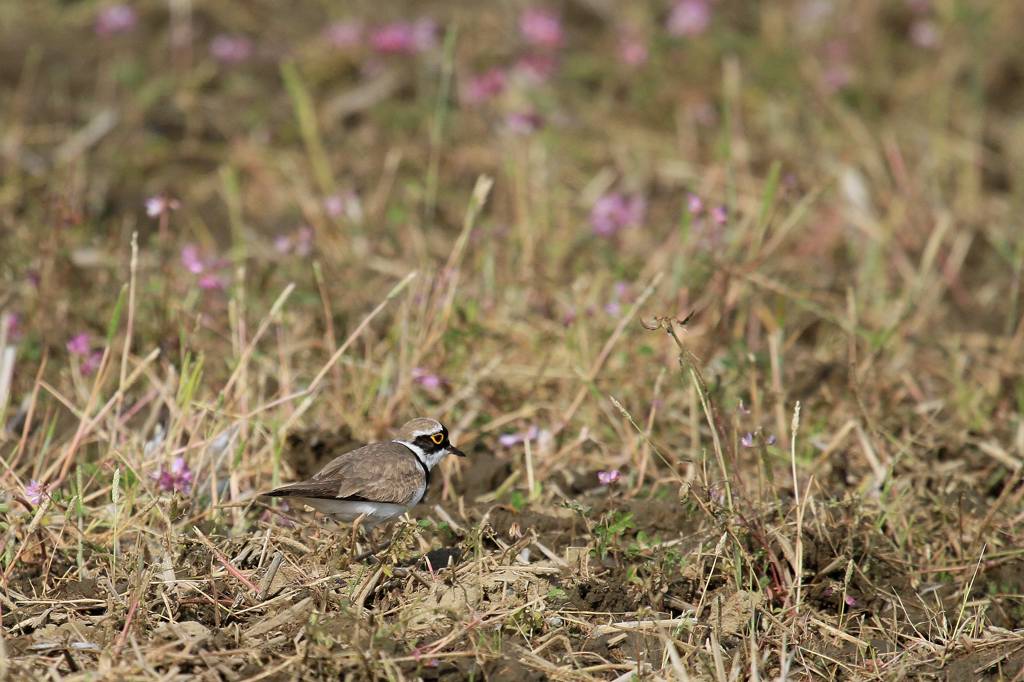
(455, 451)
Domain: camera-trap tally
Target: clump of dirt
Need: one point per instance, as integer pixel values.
(553, 530)
(652, 516)
(308, 450)
(610, 594)
(1004, 583)
(483, 475)
(1002, 662)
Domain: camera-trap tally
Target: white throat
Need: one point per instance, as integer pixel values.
(428, 459)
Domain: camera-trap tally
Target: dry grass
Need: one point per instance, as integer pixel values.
(858, 315)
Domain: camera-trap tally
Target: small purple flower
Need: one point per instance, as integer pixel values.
(403, 37)
(747, 440)
(344, 204)
(13, 326)
(176, 478)
(608, 477)
(79, 344)
(510, 439)
(850, 601)
(34, 492)
(344, 34)
(770, 440)
(615, 211)
(115, 19)
(92, 362)
(620, 293)
(536, 68)
(427, 379)
(191, 259)
(231, 49)
(334, 205)
(569, 316)
(160, 205)
(720, 215)
(283, 244)
(211, 282)
(632, 49)
(837, 72)
(541, 27)
(484, 86)
(689, 18)
(523, 122)
(925, 33)
(304, 241)
(694, 204)
(195, 263)
(301, 242)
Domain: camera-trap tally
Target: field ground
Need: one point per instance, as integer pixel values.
(239, 236)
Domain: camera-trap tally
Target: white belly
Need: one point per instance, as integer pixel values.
(347, 510)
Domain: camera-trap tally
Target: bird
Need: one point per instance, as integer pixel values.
(378, 481)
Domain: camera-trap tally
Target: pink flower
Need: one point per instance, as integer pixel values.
(523, 122)
(608, 477)
(34, 492)
(283, 243)
(91, 363)
(344, 34)
(191, 260)
(509, 439)
(334, 205)
(304, 241)
(159, 205)
(403, 37)
(229, 49)
(177, 478)
(615, 211)
(837, 72)
(620, 293)
(541, 27)
(211, 282)
(720, 215)
(689, 18)
(484, 86)
(427, 379)
(850, 601)
(536, 68)
(79, 344)
(569, 316)
(694, 204)
(13, 326)
(344, 204)
(195, 263)
(115, 19)
(632, 49)
(301, 242)
(924, 33)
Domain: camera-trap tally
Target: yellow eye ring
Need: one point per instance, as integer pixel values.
(438, 438)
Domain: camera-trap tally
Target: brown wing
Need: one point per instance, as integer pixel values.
(379, 472)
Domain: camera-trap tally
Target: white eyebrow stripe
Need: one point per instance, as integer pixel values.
(426, 432)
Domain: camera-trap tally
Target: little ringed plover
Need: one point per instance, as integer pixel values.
(377, 481)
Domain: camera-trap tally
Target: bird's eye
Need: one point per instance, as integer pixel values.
(438, 438)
